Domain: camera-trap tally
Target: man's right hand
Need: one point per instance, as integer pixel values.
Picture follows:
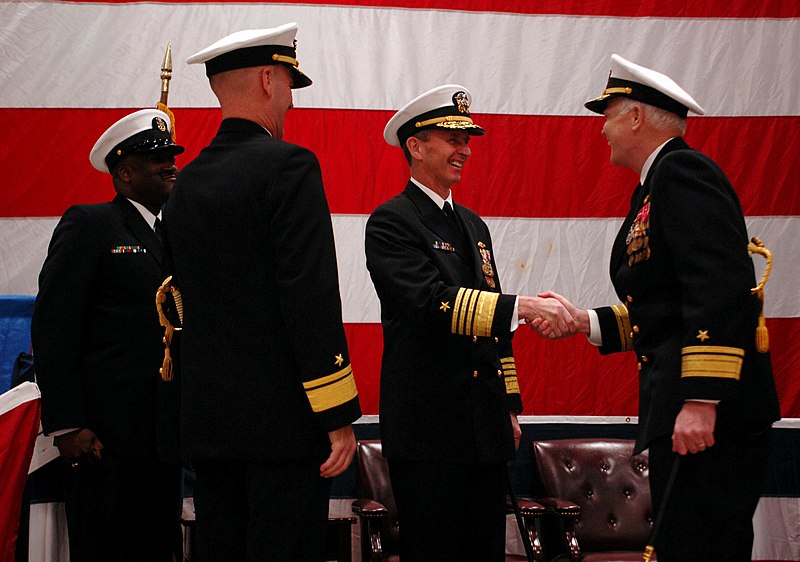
(579, 315)
(79, 443)
(552, 318)
(343, 447)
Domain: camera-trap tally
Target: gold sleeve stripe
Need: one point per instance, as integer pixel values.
(473, 312)
(487, 302)
(458, 308)
(330, 391)
(467, 315)
(712, 361)
(624, 326)
(512, 384)
(509, 365)
(510, 375)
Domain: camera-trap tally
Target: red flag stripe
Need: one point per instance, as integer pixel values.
(620, 8)
(525, 166)
(569, 377)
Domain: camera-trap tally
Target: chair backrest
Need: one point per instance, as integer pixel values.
(374, 483)
(608, 482)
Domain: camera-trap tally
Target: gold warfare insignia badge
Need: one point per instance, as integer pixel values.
(461, 101)
(160, 124)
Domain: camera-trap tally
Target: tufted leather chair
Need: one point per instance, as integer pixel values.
(612, 489)
(377, 512)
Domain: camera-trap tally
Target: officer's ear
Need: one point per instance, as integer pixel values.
(414, 146)
(636, 116)
(123, 171)
(268, 78)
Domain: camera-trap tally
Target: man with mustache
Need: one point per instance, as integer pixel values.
(97, 351)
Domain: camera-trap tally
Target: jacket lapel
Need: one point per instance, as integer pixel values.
(434, 219)
(136, 224)
(471, 252)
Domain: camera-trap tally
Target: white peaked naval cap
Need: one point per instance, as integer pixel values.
(254, 47)
(443, 107)
(646, 85)
(141, 131)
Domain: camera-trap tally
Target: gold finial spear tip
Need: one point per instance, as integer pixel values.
(166, 66)
(166, 72)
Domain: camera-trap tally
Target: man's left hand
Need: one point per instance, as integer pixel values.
(694, 427)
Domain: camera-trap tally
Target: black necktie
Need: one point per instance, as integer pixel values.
(157, 228)
(452, 218)
(448, 211)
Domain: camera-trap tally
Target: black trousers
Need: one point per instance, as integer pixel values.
(260, 511)
(709, 511)
(450, 511)
(123, 509)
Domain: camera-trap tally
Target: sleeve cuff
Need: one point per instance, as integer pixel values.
(595, 336)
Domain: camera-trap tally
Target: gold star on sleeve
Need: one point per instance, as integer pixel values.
(702, 335)
(445, 306)
(338, 360)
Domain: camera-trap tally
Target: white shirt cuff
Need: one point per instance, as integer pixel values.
(595, 336)
(515, 316)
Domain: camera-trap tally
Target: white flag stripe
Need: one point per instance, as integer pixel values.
(351, 54)
(569, 256)
(777, 535)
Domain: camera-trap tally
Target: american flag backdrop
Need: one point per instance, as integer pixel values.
(540, 177)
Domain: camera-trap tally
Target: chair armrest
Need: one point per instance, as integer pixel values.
(567, 513)
(561, 507)
(528, 508)
(364, 507)
(372, 515)
(530, 512)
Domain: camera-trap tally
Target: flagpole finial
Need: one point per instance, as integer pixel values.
(166, 73)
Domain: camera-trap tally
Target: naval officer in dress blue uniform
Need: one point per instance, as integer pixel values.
(449, 394)
(681, 268)
(97, 345)
(268, 391)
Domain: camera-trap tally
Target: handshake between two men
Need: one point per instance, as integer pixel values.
(553, 316)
